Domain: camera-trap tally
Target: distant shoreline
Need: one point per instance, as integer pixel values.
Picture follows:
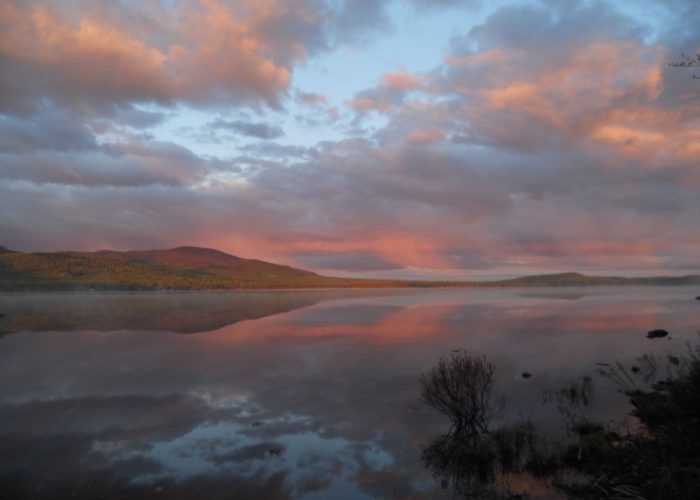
(206, 270)
(410, 286)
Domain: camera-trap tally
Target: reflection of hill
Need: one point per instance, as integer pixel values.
(555, 295)
(178, 313)
(335, 382)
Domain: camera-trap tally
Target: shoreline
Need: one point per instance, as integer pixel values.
(76, 291)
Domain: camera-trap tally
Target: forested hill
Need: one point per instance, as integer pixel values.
(194, 268)
(578, 279)
(182, 268)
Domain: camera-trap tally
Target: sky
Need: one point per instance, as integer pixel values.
(452, 139)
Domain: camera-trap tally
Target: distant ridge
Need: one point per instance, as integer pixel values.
(196, 268)
(578, 279)
(181, 268)
(207, 260)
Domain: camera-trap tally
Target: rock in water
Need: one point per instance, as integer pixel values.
(657, 334)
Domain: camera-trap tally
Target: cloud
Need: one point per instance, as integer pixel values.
(552, 136)
(249, 129)
(601, 86)
(85, 60)
(401, 80)
(201, 52)
(311, 98)
(52, 130)
(355, 20)
(346, 261)
(389, 94)
(74, 157)
(319, 102)
(423, 5)
(426, 136)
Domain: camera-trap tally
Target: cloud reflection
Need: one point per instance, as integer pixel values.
(320, 399)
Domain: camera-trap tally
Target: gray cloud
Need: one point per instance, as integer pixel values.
(249, 129)
(50, 130)
(311, 98)
(356, 20)
(128, 163)
(549, 26)
(423, 5)
(275, 150)
(346, 261)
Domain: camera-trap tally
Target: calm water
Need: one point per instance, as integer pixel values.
(290, 394)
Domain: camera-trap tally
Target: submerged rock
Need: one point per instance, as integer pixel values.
(657, 334)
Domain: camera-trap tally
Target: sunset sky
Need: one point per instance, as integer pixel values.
(416, 138)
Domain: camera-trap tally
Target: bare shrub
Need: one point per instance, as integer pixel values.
(461, 387)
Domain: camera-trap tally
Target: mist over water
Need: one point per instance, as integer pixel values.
(292, 394)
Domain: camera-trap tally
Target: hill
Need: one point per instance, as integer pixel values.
(182, 268)
(206, 262)
(578, 279)
(194, 268)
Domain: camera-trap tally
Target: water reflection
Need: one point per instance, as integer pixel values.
(577, 393)
(473, 460)
(510, 462)
(168, 312)
(460, 386)
(320, 401)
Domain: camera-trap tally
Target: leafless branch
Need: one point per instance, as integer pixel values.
(460, 386)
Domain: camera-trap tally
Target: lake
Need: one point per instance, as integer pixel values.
(295, 394)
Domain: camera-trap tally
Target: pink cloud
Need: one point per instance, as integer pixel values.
(569, 95)
(389, 94)
(401, 80)
(206, 51)
(90, 53)
(369, 104)
(426, 136)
